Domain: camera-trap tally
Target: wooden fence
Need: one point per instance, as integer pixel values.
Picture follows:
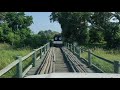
(19, 61)
(72, 48)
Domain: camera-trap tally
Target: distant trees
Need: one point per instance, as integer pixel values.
(73, 24)
(14, 27)
(47, 34)
(37, 40)
(89, 27)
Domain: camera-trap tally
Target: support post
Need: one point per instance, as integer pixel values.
(41, 52)
(73, 49)
(19, 67)
(89, 58)
(43, 49)
(80, 52)
(116, 67)
(34, 57)
(68, 45)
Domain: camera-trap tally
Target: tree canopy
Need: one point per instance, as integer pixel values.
(89, 27)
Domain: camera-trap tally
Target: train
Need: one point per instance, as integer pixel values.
(57, 40)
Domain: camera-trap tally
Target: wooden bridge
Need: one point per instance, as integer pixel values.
(46, 60)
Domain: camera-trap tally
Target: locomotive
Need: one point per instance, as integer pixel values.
(57, 41)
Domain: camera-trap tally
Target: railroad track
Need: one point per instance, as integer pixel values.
(48, 64)
(74, 62)
(61, 60)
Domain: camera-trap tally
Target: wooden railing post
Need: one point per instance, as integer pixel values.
(41, 53)
(44, 49)
(89, 58)
(80, 52)
(19, 67)
(34, 57)
(68, 45)
(116, 67)
(73, 49)
(47, 46)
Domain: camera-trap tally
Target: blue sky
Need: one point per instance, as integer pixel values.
(42, 22)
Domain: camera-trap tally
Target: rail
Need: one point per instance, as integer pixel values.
(19, 61)
(72, 48)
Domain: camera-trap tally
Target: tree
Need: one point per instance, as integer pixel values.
(47, 34)
(102, 22)
(75, 27)
(2, 16)
(17, 24)
(73, 24)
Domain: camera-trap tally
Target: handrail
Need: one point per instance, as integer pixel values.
(115, 63)
(9, 67)
(19, 61)
(103, 59)
(27, 56)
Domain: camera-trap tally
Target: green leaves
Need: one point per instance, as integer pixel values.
(73, 24)
(92, 27)
(18, 20)
(15, 28)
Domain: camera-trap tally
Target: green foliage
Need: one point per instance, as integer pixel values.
(74, 25)
(1, 34)
(37, 40)
(48, 34)
(34, 41)
(2, 16)
(15, 28)
(18, 20)
(89, 27)
(96, 36)
(7, 56)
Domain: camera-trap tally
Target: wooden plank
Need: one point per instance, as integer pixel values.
(19, 67)
(34, 57)
(80, 52)
(89, 58)
(54, 59)
(70, 63)
(100, 70)
(26, 70)
(38, 58)
(42, 46)
(39, 48)
(103, 59)
(116, 67)
(27, 56)
(7, 68)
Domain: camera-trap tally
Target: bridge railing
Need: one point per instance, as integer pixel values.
(18, 63)
(72, 48)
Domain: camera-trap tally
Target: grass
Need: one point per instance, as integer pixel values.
(8, 55)
(107, 54)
